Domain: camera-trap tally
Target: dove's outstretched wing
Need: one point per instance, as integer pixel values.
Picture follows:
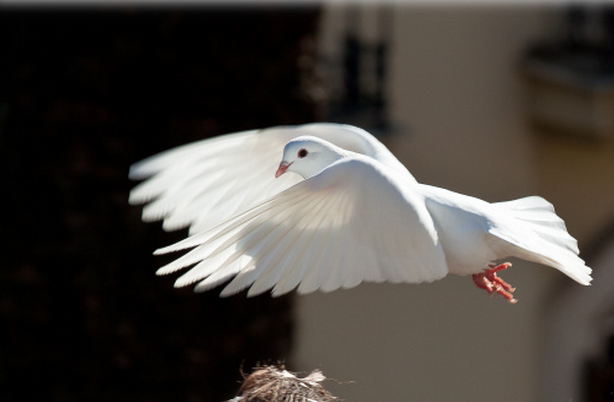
(355, 221)
(202, 183)
(205, 182)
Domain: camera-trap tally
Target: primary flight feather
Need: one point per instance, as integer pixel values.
(339, 209)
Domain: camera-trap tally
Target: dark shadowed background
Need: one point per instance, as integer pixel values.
(85, 93)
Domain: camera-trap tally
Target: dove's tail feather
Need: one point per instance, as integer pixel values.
(544, 238)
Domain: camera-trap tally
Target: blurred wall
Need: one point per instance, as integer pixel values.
(455, 87)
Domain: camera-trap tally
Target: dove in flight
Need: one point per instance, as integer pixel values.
(339, 209)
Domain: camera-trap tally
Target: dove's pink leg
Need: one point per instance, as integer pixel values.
(492, 283)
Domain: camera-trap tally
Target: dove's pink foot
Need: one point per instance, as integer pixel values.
(489, 281)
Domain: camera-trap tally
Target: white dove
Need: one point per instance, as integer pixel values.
(350, 213)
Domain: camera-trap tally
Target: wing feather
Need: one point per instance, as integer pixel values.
(337, 272)
(207, 147)
(226, 235)
(316, 242)
(213, 178)
(249, 238)
(286, 255)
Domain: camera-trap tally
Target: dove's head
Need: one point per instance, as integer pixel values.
(308, 156)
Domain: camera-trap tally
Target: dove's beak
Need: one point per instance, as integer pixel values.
(283, 166)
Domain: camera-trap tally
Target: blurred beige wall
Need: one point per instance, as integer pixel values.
(456, 87)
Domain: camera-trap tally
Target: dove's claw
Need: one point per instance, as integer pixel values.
(489, 281)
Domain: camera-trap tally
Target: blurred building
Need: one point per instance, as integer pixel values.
(470, 92)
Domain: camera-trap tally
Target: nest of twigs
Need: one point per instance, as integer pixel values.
(275, 384)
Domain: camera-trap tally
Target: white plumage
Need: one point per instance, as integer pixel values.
(348, 213)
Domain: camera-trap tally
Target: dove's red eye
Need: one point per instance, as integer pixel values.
(302, 153)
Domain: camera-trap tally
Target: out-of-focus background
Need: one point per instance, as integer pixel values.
(498, 102)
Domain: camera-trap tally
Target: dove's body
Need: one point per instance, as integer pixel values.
(355, 217)
(473, 231)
